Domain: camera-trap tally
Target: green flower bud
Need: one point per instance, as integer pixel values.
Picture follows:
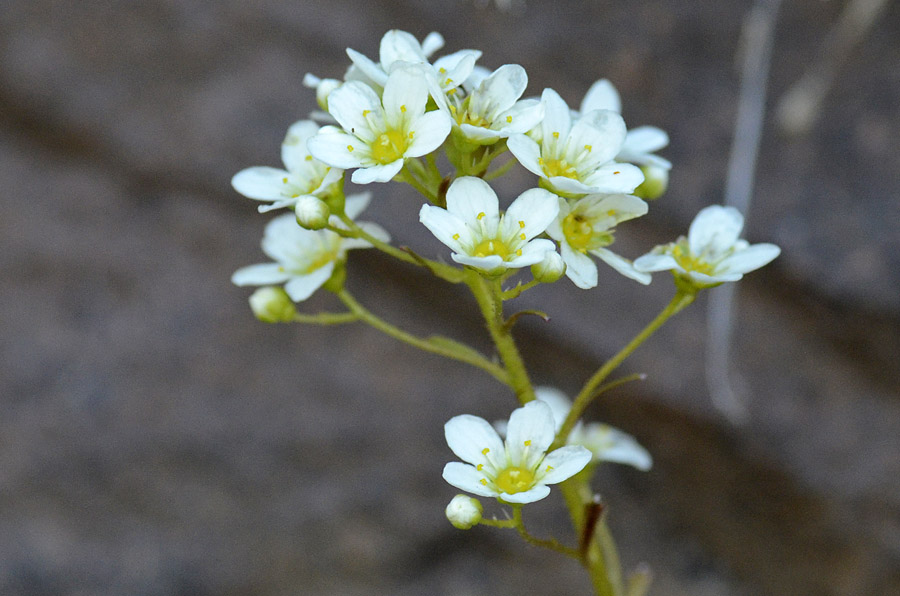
(335, 283)
(550, 269)
(656, 181)
(312, 213)
(271, 304)
(464, 512)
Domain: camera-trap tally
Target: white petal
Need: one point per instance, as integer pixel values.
(457, 67)
(399, 46)
(532, 253)
(749, 259)
(377, 173)
(527, 152)
(405, 96)
(611, 444)
(293, 148)
(470, 197)
(558, 401)
(655, 262)
(356, 203)
(444, 225)
(529, 496)
(339, 150)
(525, 115)
(429, 131)
(570, 185)
(367, 68)
(580, 268)
(531, 213)
(563, 463)
(261, 183)
(262, 274)
(557, 117)
(499, 91)
(645, 139)
(622, 265)
(601, 96)
(301, 287)
(601, 130)
(467, 478)
(715, 229)
(530, 433)
(624, 206)
(469, 436)
(347, 104)
(615, 178)
(487, 264)
(432, 43)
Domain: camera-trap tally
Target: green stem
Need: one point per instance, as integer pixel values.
(501, 170)
(358, 232)
(440, 346)
(577, 494)
(681, 300)
(326, 318)
(487, 293)
(549, 543)
(514, 292)
(407, 175)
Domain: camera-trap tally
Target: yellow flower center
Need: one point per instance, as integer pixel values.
(559, 167)
(389, 146)
(688, 262)
(491, 247)
(514, 480)
(580, 233)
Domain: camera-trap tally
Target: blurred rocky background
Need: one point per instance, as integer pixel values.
(155, 439)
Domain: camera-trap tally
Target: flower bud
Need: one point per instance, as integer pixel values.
(271, 304)
(312, 213)
(464, 512)
(550, 269)
(324, 89)
(656, 181)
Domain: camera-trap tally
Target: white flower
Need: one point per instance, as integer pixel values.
(606, 443)
(577, 158)
(480, 236)
(641, 142)
(586, 226)
(492, 110)
(380, 132)
(517, 471)
(463, 511)
(305, 259)
(712, 253)
(399, 47)
(304, 176)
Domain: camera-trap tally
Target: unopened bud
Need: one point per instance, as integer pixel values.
(312, 213)
(464, 512)
(550, 269)
(323, 88)
(656, 181)
(272, 305)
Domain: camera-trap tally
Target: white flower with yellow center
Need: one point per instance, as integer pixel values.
(305, 259)
(399, 47)
(380, 132)
(517, 470)
(577, 158)
(492, 110)
(585, 226)
(481, 237)
(304, 175)
(712, 253)
(640, 143)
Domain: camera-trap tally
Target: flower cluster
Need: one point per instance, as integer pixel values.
(391, 119)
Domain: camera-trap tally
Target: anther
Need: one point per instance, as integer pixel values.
(480, 216)
(350, 148)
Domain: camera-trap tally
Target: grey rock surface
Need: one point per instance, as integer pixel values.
(156, 440)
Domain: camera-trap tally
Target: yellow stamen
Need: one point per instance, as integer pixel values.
(480, 216)
(528, 443)
(350, 148)
(509, 119)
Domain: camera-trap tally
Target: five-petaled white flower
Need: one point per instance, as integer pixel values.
(304, 175)
(305, 259)
(492, 110)
(380, 132)
(711, 253)
(481, 237)
(605, 442)
(399, 47)
(517, 471)
(586, 226)
(640, 143)
(577, 158)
